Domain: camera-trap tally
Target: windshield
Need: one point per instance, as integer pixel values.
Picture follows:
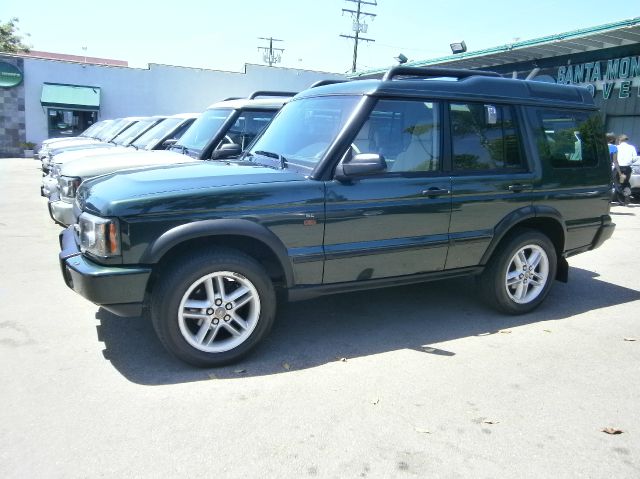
(89, 131)
(203, 129)
(112, 129)
(303, 130)
(100, 127)
(131, 133)
(152, 136)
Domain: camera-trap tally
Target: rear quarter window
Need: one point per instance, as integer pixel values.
(570, 139)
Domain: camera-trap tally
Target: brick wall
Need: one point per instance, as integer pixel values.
(12, 116)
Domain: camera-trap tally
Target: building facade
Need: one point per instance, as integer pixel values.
(61, 98)
(605, 59)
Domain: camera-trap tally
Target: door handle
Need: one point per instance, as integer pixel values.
(433, 192)
(517, 188)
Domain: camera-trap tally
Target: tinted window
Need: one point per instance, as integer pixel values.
(569, 139)
(247, 127)
(406, 133)
(484, 137)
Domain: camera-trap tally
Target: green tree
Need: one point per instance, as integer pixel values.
(10, 38)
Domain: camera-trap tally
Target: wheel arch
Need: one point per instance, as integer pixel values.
(246, 236)
(541, 218)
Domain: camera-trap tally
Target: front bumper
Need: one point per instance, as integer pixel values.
(62, 212)
(119, 289)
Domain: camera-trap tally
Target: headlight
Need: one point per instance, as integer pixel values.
(99, 236)
(68, 186)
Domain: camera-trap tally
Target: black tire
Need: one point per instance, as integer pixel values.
(493, 281)
(183, 273)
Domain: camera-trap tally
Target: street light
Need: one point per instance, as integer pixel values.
(460, 47)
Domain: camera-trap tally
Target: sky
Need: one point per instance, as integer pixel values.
(224, 35)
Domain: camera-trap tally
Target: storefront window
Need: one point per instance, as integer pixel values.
(69, 122)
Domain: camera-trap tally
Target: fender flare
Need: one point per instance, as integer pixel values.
(516, 217)
(219, 227)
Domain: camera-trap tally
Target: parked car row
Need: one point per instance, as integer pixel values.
(426, 174)
(222, 131)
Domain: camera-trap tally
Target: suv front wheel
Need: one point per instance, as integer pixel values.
(210, 308)
(520, 272)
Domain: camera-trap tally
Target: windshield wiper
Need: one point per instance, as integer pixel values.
(178, 147)
(131, 144)
(276, 156)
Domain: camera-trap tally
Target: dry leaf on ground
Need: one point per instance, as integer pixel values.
(286, 366)
(505, 331)
(422, 430)
(490, 421)
(612, 430)
(240, 371)
(630, 339)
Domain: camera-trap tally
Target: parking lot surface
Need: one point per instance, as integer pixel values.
(420, 381)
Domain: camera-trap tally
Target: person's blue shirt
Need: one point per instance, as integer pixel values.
(612, 149)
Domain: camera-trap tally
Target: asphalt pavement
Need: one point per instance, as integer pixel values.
(421, 381)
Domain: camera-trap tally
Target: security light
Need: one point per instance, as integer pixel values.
(401, 58)
(460, 47)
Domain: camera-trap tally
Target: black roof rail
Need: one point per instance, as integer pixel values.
(233, 98)
(271, 93)
(326, 82)
(435, 72)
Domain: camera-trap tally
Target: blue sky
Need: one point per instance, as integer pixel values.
(224, 35)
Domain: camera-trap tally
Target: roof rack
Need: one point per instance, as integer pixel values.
(435, 72)
(271, 93)
(326, 82)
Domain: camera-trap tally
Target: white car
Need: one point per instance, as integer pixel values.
(147, 134)
(634, 180)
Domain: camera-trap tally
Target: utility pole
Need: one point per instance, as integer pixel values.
(359, 27)
(271, 55)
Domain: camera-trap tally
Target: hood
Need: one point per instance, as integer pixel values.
(71, 142)
(50, 141)
(59, 148)
(134, 191)
(72, 155)
(102, 162)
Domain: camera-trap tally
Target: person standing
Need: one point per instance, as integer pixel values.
(625, 156)
(613, 151)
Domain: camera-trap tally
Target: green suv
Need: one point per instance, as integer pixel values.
(425, 174)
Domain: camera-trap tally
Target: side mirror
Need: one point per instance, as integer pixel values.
(226, 151)
(166, 144)
(360, 165)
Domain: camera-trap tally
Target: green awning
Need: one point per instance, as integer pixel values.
(76, 97)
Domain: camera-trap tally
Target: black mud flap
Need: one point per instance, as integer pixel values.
(562, 274)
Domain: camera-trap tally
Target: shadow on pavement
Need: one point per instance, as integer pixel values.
(311, 333)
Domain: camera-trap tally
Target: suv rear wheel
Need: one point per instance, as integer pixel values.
(520, 273)
(211, 308)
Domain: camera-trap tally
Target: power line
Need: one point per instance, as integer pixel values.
(271, 55)
(359, 26)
